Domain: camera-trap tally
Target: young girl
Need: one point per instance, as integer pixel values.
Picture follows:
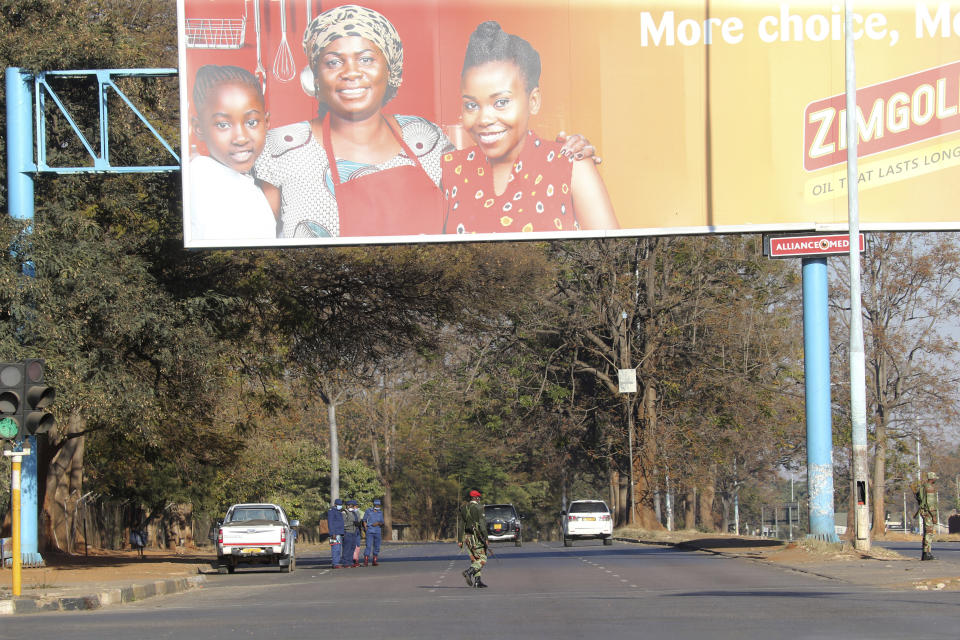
(231, 118)
(511, 180)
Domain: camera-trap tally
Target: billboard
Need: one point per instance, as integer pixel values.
(717, 116)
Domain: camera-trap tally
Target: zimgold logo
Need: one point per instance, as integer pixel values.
(891, 114)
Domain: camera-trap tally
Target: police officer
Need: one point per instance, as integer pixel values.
(336, 530)
(351, 528)
(373, 521)
(474, 535)
(927, 509)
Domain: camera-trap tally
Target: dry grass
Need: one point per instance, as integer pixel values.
(683, 535)
(800, 550)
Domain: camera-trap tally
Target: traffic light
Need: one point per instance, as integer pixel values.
(37, 397)
(11, 406)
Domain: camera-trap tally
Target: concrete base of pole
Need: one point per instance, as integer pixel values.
(823, 537)
(32, 559)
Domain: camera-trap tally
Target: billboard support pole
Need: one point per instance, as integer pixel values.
(816, 371)
(20, 169)
(858, 412)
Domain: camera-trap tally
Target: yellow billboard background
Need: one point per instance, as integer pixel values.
(697, 134)
(700, 136)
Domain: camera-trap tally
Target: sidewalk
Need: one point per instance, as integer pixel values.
(101, 578)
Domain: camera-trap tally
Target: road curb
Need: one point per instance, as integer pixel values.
(117, 595)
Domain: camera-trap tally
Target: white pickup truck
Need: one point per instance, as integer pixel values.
(256, 534)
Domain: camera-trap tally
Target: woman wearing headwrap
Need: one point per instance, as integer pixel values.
(385, 181)
(387, 170)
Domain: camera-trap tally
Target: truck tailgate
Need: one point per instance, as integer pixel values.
(247, 535)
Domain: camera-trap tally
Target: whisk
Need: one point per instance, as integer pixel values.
(284, 66)
(306, 75)
(261, 73)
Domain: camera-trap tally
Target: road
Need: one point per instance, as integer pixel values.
(540, 590)
(946, 551)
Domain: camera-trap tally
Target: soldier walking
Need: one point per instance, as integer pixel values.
(474, 535)
(927, 509)
(373, 521)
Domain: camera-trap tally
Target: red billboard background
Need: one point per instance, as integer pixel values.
(417, 24)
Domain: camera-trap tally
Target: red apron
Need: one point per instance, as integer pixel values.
(401, 201)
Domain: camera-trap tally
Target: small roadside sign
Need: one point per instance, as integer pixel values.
(627, 379)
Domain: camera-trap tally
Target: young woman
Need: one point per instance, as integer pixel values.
(511, 180)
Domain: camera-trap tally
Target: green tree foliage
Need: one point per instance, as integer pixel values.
(909, 300)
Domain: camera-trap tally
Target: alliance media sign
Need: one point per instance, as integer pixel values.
(710, 117)
(810, 246)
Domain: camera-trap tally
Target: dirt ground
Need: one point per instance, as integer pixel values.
(797, 552)
(104, 566)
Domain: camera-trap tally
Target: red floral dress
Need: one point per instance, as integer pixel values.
(537, 197)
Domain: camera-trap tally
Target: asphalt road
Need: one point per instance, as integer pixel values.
(946, 551)
(536, 591)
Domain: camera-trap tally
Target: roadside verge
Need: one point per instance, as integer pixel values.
(99, 597)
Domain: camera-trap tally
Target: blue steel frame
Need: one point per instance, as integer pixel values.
(101, 154)
(23, 107)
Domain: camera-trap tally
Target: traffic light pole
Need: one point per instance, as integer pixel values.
(17, 559)
(20, 169)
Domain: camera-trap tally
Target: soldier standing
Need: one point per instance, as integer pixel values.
(474, 535)
(927, 509)
(373, 521)
(336, 531)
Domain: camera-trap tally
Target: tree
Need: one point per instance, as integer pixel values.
(910, 284)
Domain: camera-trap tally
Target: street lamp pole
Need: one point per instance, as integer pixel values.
(858, 401)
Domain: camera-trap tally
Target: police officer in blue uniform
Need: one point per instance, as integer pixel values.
(351, 528)
(336, 530)
(373, 519)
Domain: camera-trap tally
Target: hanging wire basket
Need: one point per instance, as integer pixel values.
(216, 33)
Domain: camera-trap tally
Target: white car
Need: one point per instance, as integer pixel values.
(256, 534)
(587, 519)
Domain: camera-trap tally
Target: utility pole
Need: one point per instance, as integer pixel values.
(904, 518)
(918, 449)
(627, 380)
(736, 498)
(858, 400)
(669, 504)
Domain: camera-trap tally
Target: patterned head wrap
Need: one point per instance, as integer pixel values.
(353, 20)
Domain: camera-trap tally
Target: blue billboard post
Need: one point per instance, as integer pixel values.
(20, 169)
(813, 249)
(816, 375)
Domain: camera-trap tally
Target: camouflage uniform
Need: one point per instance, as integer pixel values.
(474, 536)
(926, 495)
